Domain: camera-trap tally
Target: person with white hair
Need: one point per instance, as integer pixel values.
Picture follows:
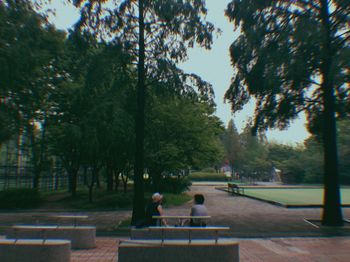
(155, 209)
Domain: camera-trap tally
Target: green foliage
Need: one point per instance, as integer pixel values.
(344, 150)
(176, 185)
(290, 160)
(20, 198)
(171, 184)
(207, 176)
(232, 145)
(208, 170)
(277, 62)
(313, 156)
(293, 56)
(102, 200)
(181, 133)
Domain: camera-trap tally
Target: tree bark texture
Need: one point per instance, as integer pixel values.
(332, 213)
(138, 212)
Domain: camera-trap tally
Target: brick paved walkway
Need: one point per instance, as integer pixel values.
(250, 250)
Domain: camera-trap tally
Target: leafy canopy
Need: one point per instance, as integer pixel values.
(278, 59)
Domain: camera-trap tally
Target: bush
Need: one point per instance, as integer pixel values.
(208, 170)
(20, 198)
(175, 185)
(202, 176)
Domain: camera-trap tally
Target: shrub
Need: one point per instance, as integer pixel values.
(20, 198)
(202, 176)
(175, 185)
(208, 170)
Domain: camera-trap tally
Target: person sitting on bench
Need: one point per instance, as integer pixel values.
(155, 209)
(198, 209)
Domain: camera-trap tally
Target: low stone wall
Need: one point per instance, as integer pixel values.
(178, 250)
(38, 250)
(80, 236)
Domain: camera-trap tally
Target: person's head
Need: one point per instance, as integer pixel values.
(156, 197)
(198, 199)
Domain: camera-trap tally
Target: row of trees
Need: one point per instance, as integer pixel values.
(73, 96)
(293, 56)
(255, 158)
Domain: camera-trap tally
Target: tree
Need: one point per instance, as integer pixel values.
(29, 53)
(291, 160)
(91, 108)
(344, 150)
(232, 144)
(254, 160)
(314, 151)
(157, 33)
(293, 56)
(182, 132)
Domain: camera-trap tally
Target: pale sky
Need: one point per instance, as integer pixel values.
(212, 65)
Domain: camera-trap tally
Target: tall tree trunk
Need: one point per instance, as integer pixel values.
(85, 176)
(94, 176)
(125, 178)
(156, 179)
(109, 172)
(97, 180)
(34, 157)
(39, 157)
(116, 180)
(138, 211)
(19, 156)
(72, 178)
(332, 213)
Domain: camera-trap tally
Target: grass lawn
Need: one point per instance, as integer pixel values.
(295, 196)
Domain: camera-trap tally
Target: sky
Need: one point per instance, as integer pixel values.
(213, 66)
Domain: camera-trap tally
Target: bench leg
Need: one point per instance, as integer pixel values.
(162, 236)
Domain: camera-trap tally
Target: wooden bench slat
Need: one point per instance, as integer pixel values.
(189, 229)
(182, 217)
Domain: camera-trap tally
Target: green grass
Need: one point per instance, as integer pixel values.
(295, 196)
(103, 200)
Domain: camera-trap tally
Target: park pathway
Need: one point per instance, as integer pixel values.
(252, 218)
(265, 232)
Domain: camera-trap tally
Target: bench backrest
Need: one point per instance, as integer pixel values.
(189, 228)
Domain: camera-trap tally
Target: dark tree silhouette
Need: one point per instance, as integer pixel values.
(293, 56)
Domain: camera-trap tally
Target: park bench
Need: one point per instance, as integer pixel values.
(234, 189)
(34, 250)
(205, 232)
(80, 236)
(171, 250)
(181, 219)
(173, 232)
(178, 243)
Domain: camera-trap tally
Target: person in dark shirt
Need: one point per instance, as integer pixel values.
(155, 209)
